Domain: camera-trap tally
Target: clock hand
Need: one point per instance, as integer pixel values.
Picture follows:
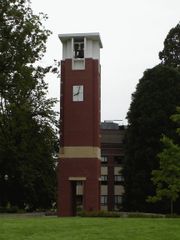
(78, 90)
(77, 93)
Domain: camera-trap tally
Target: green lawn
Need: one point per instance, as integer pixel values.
(52, 228)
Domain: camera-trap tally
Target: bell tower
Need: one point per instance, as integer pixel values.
(79, 161)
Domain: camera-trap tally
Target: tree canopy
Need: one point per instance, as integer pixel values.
(28, 134)
(170, 55)
(154, 101)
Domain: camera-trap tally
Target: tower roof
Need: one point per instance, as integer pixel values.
(92, 36)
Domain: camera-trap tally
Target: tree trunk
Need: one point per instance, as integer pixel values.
(172, 207)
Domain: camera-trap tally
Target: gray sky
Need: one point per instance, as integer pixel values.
(132, 33)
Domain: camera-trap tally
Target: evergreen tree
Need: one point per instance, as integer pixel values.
(154, 101)
(28, 136)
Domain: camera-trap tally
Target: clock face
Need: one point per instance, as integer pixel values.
(78, 93)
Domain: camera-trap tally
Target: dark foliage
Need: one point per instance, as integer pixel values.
(170, 55)
(28, 137)
(154, 101)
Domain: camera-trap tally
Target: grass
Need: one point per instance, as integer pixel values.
(52, 228)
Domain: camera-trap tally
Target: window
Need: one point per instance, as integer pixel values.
(79, 183)
(79, 48)
(104, 159)
(118, 178)
(104, 179)
(118, 199)
(103, 199)
(118, 160)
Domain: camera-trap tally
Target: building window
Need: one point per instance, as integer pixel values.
(104, 159)
(118, 160)
(118, 178)
(104, 179)
(117, 199)
(79, 48)
(103, 199)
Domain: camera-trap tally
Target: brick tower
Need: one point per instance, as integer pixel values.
(79, 162)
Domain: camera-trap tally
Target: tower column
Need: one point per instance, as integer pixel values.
(79, 158)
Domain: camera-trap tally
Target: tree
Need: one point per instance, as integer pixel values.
(167, 177)
(28, 135)
(170, 55)
(154, 101)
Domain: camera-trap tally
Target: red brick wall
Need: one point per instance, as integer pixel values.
(79, 126)
(89, 168)
(80, 120)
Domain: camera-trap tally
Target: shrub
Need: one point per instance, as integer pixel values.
(100, 213)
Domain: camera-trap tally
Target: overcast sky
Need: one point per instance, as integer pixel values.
(132, 33)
